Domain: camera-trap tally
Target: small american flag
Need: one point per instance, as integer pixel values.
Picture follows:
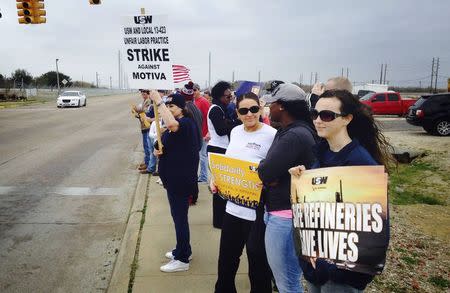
(180, 73)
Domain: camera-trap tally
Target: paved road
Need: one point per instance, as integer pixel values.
(67, 178)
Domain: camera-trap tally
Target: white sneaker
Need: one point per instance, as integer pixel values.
(169, 255)
(174, 266)
(159, 181)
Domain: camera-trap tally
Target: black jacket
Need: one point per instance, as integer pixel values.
(292, 146)
(223, 124)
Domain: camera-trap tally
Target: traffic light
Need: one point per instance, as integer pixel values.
(95, 2)
(31, 11)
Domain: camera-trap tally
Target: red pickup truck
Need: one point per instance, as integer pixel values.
(388, 103)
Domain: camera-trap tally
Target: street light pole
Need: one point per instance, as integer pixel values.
(57, 76)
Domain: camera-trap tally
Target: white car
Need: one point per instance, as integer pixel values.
(71, 99)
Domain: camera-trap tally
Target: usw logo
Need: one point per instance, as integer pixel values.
(143, 19)
(319, 180)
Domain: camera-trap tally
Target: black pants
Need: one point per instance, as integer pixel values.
(218, 203)
(179, 208)
(236, 233)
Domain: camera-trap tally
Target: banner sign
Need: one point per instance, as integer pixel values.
(341, 214)
(146, 51)
(236, 180)
(249, 86)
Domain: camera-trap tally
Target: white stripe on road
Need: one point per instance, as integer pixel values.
(390, 118)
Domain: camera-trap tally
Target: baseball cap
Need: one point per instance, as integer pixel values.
(176, 99)
(285, 92)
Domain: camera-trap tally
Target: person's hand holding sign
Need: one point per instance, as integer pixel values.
(297, 171)
(154, 96)
(213, 186)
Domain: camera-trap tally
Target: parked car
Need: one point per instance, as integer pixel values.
(362, 93)
(71, 99)
(361, 90)
(387, 103)
(432, 113)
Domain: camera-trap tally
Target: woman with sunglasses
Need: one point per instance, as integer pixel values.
(352, 138)
(178, 163)
(292, 146)
(244, 226)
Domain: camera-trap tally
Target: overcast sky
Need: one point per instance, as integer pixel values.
(282, 39)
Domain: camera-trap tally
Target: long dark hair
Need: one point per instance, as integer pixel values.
(363, 127)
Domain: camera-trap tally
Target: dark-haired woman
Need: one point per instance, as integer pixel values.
(178, 164)
(243, 226)
(291, 147)
(352, 138)
(219, 128)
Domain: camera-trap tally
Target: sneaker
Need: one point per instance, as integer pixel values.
(169, 255)
(202, 182)
(159, 181)
(175, 266)
(155, 173)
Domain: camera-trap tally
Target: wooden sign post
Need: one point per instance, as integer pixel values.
(155, 110)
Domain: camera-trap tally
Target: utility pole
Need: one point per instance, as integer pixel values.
(96, 78)
(381, 74)
(232, 77)
(259, 76)
(315, 79)
(209, 74)
(347, 72)
(120, 79)
(432, 75)
(384, 80)
(110, 82)
(436, 76)
(311, 79)
(57, 76)
(342, 71)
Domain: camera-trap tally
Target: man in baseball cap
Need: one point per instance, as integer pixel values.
(285, 92)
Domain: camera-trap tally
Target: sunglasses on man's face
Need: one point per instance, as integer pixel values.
(252, 109)
(325, 115)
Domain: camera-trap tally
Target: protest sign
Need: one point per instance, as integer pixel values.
(147, 53)
(341, 214)
(236, 180)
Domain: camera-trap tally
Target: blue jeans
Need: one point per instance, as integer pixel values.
(331, 287)
(151, 166)
(179, 207)
(281, 254)
(203, 163)
(145, 144)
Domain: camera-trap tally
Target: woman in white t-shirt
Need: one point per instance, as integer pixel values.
(249, 141)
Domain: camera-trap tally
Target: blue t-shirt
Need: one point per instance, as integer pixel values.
(179, 163)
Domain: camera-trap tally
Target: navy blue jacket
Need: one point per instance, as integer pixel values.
(353, 154)
(178, 164)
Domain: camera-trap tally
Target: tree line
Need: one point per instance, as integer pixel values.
(21, 78)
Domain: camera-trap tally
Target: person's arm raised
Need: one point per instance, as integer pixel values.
(169, 121)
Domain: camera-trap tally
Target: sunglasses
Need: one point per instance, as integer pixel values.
(252, 109)
(325, 115)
